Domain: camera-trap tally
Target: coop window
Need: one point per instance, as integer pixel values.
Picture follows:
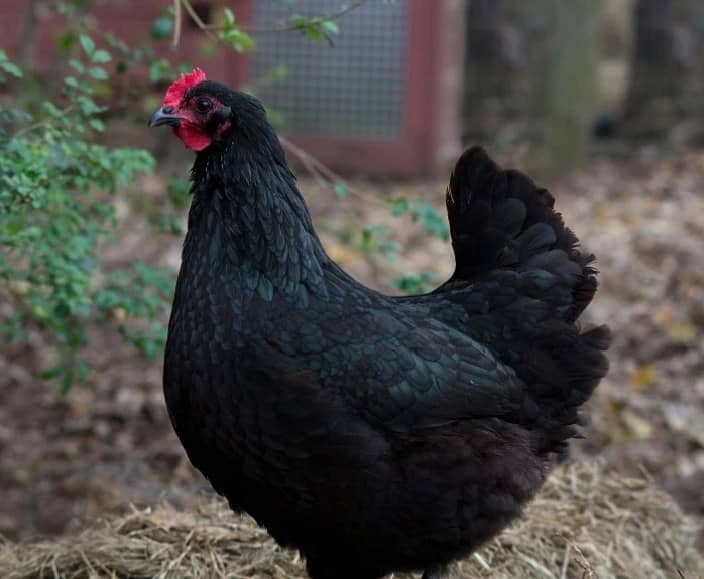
(355, 87)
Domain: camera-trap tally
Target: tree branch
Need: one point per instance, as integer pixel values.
(282, 27)
(197, 19)
(39, 125)
(178, 21)
(324, 174)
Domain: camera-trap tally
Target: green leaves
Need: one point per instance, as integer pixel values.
(55, 212)
(133, 296)
(98, 73)
(162, 27)
(316, 28)
(340, 189)
(424, 212)
(8, 67)
(416, 284)
(329, 27)
(161, 69)
(101, 56)
(233, 35)
(379, 239)
(87, 43)
(95, 56)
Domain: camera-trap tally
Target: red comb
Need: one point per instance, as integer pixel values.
(178, 88)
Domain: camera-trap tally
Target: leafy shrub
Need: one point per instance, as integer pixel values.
(57, 207)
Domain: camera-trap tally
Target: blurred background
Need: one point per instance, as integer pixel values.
(602, 101)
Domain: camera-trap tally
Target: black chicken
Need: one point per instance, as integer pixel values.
(372, 433)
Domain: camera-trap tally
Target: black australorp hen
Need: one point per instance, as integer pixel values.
(372, 433)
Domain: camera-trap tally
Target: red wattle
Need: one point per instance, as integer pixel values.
(192, 137)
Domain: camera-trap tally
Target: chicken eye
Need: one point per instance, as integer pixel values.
(203, 105)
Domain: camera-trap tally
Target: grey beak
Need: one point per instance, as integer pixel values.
(161, 118)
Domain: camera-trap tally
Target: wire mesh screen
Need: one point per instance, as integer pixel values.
(355, 88)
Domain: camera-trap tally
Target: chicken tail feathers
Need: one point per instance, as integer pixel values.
(563, 369)
(505, 234)
(501, 219)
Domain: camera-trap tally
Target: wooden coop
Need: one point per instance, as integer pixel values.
(384, 99)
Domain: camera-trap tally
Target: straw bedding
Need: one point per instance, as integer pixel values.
(584, 524)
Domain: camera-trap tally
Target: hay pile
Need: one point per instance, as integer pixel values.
(584, 524)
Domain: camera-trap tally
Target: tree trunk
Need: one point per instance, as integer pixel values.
(667, 79)
(531, 76)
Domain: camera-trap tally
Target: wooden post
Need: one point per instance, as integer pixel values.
(573, 58)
